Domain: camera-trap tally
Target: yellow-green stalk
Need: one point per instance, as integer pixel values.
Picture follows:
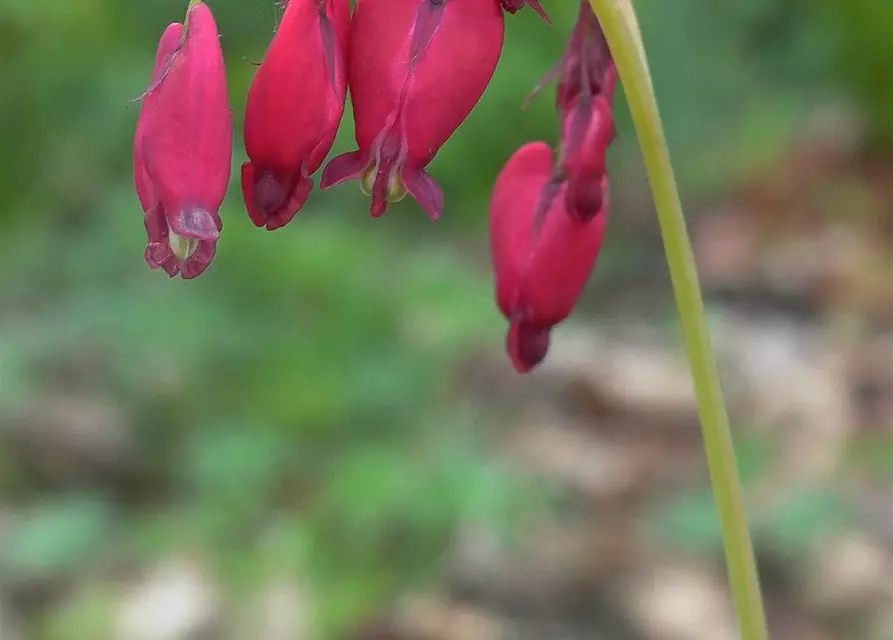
(618, 21)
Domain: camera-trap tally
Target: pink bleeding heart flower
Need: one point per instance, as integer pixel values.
(183, 147)
(294, 107)
(513, 6)
(542, 256)
(416, 70)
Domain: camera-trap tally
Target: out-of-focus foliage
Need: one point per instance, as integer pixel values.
(293, 410)
(862, 52)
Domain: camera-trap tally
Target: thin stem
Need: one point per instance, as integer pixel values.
(621, 30)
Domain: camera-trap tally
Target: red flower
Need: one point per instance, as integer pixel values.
(542, 256)
(295, 104)
(183, 147)
(417, 68)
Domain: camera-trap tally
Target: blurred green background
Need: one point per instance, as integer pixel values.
(327, 405)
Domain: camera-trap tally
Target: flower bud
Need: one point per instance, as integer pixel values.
(542, 257)
(294, 107)
(587, 79)
(587, 132)
(586, 66)
(183, 147)
(416, 70)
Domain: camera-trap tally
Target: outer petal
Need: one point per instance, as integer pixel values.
(512, 207)
(168, 44)
(587, 133)
(380, 38)
(188, 136)
(273, 197)
(557, 272)
(451, 75)
(297, 94)
(526, 344)
(424, 190)
(347, 166)
(335, 30)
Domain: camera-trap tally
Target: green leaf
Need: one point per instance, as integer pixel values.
(804, 518)
(55, 537)
(690, 523)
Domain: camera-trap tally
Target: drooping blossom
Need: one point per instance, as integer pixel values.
(294, 107)
(542, 255)
(416, 70)
(183, 147)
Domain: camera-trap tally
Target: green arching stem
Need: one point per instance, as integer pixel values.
(621, 30)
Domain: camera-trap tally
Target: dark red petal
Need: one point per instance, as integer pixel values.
(587, 133)
(159, 255)
(526, 345)
(194, 223)
(199, 261)
(424, 190)
(347, 166)
(586, 198)
(272, 200)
